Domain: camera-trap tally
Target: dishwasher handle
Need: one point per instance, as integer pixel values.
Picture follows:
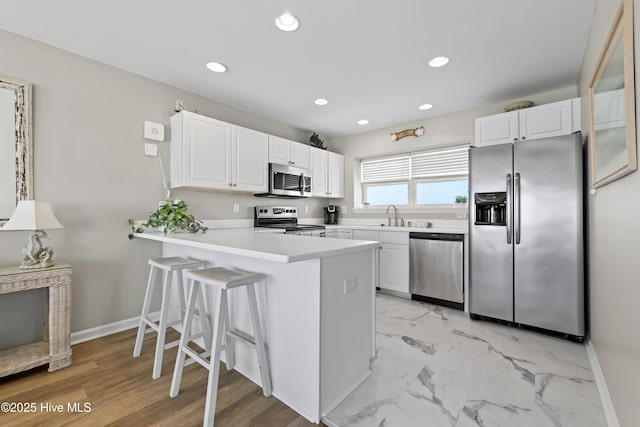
(437, 236)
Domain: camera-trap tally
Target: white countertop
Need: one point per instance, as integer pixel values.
(458, 230)
(275, 247)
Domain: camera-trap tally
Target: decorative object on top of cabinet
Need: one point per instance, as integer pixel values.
(407, 132)
(180, 107)
(317, 142)
(519, 105)
(172, 215)
(542, 121)
(612, 142)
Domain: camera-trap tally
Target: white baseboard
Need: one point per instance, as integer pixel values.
(601, 384)
(108, 329)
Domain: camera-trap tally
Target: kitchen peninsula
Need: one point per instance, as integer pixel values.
(316, 304)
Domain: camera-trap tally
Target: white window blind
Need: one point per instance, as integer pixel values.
(440, 163)
(393, 168)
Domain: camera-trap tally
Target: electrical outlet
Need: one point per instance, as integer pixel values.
(306, 208)
(236, 207)
(350, 285)
(343, 208)
(151, 150)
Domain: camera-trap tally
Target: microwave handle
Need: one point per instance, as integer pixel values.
(301, 183)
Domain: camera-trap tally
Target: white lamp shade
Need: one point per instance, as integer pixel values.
(32, 215)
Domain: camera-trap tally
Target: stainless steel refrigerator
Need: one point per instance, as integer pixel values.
(526, 233)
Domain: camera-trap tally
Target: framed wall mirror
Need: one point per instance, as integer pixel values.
(612, 146)
(16, 145)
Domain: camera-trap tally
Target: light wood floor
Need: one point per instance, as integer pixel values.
(120, 391)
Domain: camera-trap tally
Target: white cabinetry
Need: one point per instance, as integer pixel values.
(394, 258)
(250, 169)
(210, 154)
(328, 173)
(339, 233)
(555, 119)
(286, 152)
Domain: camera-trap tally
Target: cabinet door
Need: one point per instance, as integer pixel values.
(279, 150)
(547, 120)
(344, 234)
(206, 150)
(250, 154)
(366, 235)
(497, 129)
(319, 171)
(335, 175)
(394, 267)
(300, 155)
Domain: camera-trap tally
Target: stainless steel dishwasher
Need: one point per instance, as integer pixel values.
(436, 268)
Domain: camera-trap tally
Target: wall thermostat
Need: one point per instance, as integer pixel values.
(154, 131)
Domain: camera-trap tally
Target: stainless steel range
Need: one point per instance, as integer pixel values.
(285, 218)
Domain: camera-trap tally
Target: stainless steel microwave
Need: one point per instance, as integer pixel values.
(289, 181)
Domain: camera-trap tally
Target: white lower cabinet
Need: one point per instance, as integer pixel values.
(340, 234)
(394, 258)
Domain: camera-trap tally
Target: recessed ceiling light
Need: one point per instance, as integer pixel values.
(363, 122)
(321, 101)
(439, 61)
(425, 107)
(287, 22)
(217, 67)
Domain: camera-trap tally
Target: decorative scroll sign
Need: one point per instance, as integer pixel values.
(408, 132)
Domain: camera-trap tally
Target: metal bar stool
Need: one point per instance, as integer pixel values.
(170, 267)
(221, 279)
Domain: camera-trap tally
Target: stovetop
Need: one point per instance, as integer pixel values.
(281, 217)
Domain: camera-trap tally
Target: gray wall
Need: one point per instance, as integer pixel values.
(450, 129)
(614, 289)
(89, 163)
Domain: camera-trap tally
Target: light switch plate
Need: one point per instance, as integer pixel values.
(350, 285)
(150, 150)
(236, 207)
(153, 131)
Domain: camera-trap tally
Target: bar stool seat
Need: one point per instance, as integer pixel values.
(221, 279)
(170, 267)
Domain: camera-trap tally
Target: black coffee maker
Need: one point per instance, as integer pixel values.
(331, 214)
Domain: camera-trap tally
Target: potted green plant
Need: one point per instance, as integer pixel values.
(461, 199)
(172, 215)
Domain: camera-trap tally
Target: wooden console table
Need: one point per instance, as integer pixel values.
(55, 348)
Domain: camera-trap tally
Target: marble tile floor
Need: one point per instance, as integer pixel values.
(436, 367)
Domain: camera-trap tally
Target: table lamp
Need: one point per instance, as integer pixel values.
(35, 216)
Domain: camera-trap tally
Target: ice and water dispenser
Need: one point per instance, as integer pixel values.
(491, 208)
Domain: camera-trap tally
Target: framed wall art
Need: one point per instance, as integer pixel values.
(612, 139)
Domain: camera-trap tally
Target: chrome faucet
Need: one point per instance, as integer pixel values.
(395, 221)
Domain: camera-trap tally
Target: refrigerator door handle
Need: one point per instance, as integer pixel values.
(508, 208)
(516, 207)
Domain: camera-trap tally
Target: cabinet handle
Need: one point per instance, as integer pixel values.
(230, 184)
(523, 138)
(515, 139)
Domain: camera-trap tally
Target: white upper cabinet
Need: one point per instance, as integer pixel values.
(200, 152)
(335, 175)
(250, 171)
(287, 152)
(546, 120)
(210, 154)
(555, 119)
(328, 173)
(319, 170)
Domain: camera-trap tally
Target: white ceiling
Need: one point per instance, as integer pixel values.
(367, 57)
